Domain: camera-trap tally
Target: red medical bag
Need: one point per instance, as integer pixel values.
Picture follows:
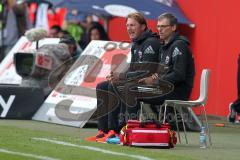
(148, 134)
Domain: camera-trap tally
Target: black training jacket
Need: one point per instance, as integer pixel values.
(178, 57)
(144, 49)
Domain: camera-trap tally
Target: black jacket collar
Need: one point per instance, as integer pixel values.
(148, 33)
(175, 37)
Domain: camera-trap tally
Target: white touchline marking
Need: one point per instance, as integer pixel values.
(26, 154)
(93, 148)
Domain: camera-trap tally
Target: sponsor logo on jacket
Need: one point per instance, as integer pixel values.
(176, 52)
(149, 50)
(167, 60)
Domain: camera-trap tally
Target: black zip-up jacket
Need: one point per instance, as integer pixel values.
(144, 49)
(178, 57)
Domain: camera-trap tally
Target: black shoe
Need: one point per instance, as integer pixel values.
(232, 113)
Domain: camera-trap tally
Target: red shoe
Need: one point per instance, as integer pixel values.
(110, 134)
(100, 134)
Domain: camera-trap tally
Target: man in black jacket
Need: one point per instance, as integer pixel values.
(145, 48)
(176, 54)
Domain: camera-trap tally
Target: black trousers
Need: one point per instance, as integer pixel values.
(108, 107)
(111, 105)
(119, 101)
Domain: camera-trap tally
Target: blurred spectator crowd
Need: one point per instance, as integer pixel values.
(17, 16)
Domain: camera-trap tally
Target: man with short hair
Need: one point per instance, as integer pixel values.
(145, 48)
(175, 54)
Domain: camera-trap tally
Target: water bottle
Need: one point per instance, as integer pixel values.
(203, 138)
